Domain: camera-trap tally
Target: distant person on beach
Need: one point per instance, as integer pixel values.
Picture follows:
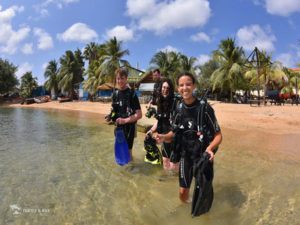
(166, 103)
(126, 109)
(157, 78)
(195, 130)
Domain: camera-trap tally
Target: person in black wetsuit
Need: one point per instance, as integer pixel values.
(195, 130)
(166, 103)
(126, 109)
(157, 78)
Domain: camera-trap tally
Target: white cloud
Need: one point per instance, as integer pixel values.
(168, 48)
(120, 32)
(79, 32)
(42, 7)
(27, 49)
(282, 8)
(10, 38)
(44, 66)
(44, 39)
(24, 68)
(138, 8)
(253, 36)
(202, 59)
(201, 36)
(287, 59)
(164, 16)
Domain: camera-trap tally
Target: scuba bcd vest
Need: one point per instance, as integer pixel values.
(122, 104)
(192, 136)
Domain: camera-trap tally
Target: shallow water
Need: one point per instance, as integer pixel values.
(57, 167)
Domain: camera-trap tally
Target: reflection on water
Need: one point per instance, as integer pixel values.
(58, 168)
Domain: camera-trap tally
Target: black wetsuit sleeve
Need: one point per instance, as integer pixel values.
(211, 120)
(154, 96)
(114, 106)
(175, 121)
(135, 103)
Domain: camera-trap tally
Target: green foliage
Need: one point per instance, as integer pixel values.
(229, 76)
(28, 85)
(206, 70)
(171, 64)
(8, 79)
(271, 75)
(102, 67)
(51, 73)
(293, 81)
(71, 71)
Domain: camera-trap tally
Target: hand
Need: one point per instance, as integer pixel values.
(211, 153)
(121, 121)
(149, 133)
(159, 138)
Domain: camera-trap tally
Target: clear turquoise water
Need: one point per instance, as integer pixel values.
(57, 167)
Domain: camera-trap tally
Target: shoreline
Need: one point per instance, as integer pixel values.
(271, 119)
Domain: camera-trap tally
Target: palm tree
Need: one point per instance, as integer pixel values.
(51, 73)
(206, 70)
(95, 79)
(167, 62)
(112, 59)
(270, 74)
(294, 82)
(28, 85)
(231, 58)
(187, 64)
(71, 71)
(90, 52)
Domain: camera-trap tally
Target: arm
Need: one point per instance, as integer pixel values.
(131, 119)
(149, 104)
(153, 129)
(214, 144)
(164, 137)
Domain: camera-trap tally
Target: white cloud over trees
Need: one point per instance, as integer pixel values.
(79, 32)
(253, 36)
(120, 32)
(44, 39)
(164, 16)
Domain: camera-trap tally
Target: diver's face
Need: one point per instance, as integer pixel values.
(121, 81)
(156, 76)
(186, 88)
(165, 90)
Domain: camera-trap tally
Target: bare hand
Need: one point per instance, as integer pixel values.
(121, 121)
(159, 138)
(149, 133)
(210, 152)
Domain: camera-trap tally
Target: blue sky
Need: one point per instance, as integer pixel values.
(34, 32)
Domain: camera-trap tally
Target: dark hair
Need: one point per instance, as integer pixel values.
(122, 72)
(164, 105)
(156, 70)
(185, 74)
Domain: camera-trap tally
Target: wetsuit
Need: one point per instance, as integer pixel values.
(155, 92)
(125, 103)
(164, 127)
(194, 127)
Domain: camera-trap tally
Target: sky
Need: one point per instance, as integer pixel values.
(33, 32)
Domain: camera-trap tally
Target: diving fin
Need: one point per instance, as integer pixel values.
(203, 191)
(122, 155)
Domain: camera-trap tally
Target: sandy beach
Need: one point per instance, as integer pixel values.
(272, 119)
